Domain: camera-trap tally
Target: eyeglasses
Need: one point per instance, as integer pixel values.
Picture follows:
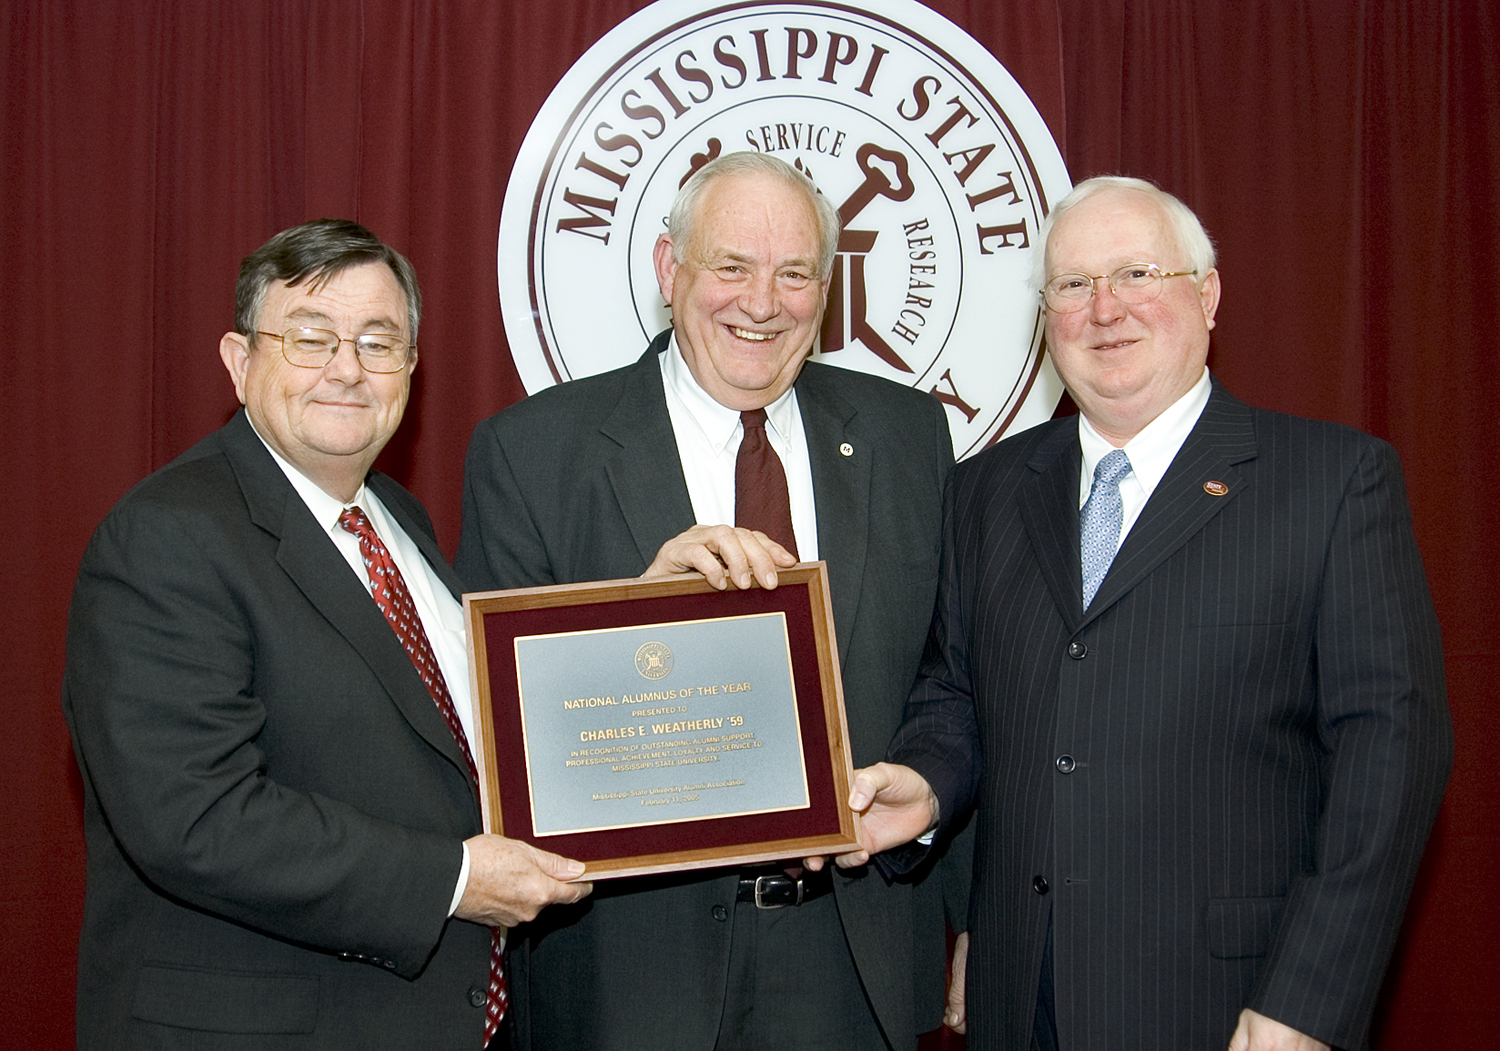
(1133, 284)
(314, 348)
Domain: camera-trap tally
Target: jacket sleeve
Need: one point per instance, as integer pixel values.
(166, 692)
(939, 734)
(1382, 719)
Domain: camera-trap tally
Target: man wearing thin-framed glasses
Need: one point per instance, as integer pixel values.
(1186, 666)
(267, 688)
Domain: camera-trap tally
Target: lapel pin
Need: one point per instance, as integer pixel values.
(1215, 488)
(846, 449)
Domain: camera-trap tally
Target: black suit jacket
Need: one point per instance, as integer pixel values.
(1217, 781)
(583, 482)
(273, 806)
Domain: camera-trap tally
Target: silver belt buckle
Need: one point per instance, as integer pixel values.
(760, 902)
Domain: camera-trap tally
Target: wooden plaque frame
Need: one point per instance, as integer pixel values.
(827, 826)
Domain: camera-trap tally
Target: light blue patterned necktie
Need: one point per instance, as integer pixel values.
(1099, 521)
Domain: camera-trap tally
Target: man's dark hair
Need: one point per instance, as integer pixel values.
(317, 250)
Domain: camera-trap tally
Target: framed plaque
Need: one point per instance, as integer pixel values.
(645, 726)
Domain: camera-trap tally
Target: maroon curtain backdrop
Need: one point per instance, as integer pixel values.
(1345, 155)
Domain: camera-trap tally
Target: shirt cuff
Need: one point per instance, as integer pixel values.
(463, 882)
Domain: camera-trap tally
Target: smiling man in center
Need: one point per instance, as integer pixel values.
(634, 472)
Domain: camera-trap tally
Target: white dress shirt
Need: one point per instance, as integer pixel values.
(708, 442)
(1151, 452)
(441, 614)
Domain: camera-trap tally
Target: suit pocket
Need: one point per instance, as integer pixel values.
(226, 1001)
(1242, 927)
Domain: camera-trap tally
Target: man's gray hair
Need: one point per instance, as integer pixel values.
(317, 250)
(1190, 233)
(685, 206)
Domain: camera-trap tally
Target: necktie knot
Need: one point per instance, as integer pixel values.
(1114, 466)
(354, 521)
(753, 419)
(1100, 520)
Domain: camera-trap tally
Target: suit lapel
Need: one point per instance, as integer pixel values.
(841, 488)
(1049, 509)
(308, 557)
(1201, 482)
(645, 470)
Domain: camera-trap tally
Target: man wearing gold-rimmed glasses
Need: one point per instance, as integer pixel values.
(1186, 666)
(267, 686)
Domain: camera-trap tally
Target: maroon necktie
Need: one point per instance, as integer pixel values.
(389, 589)
(760, 495)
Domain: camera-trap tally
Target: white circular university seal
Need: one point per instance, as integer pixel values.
(653, 660)
(940, 165)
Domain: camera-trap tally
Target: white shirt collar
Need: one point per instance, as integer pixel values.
(1153, 449)
(720, 424)
(325, 509)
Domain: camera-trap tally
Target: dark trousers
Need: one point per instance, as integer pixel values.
(792, 983)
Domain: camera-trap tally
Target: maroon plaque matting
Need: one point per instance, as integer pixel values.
(826, 826)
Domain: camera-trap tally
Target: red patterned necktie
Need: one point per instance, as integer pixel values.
(760, 494)
(389, 590)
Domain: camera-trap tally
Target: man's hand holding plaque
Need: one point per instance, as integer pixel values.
(895, 805)
(727, 556)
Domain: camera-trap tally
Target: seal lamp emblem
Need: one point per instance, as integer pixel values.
(941, 166)
(653, 660)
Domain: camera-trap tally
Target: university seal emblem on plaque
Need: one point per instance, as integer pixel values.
(653, 660)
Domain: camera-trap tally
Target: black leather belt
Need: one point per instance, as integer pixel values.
(777, 890)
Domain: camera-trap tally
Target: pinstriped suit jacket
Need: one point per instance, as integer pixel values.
(1218, 781)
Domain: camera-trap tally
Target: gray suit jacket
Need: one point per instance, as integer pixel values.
(273, 806)
(1216, 782)
(583, 482)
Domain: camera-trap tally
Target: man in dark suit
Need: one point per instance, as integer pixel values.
(1196, 693)
(279, 807)
(634, 472)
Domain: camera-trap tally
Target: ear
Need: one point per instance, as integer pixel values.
(234, 352)
(411, 361)
(665, 265)
(1208, 297)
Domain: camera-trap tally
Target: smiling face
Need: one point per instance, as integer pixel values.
(329, 423)
(1125, 365)
(746, 301)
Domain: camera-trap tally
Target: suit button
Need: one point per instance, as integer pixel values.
(1077, 650)
(389, 965)
(477, 997)
(1065, 764)
(721, 913)
(1039, 884)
